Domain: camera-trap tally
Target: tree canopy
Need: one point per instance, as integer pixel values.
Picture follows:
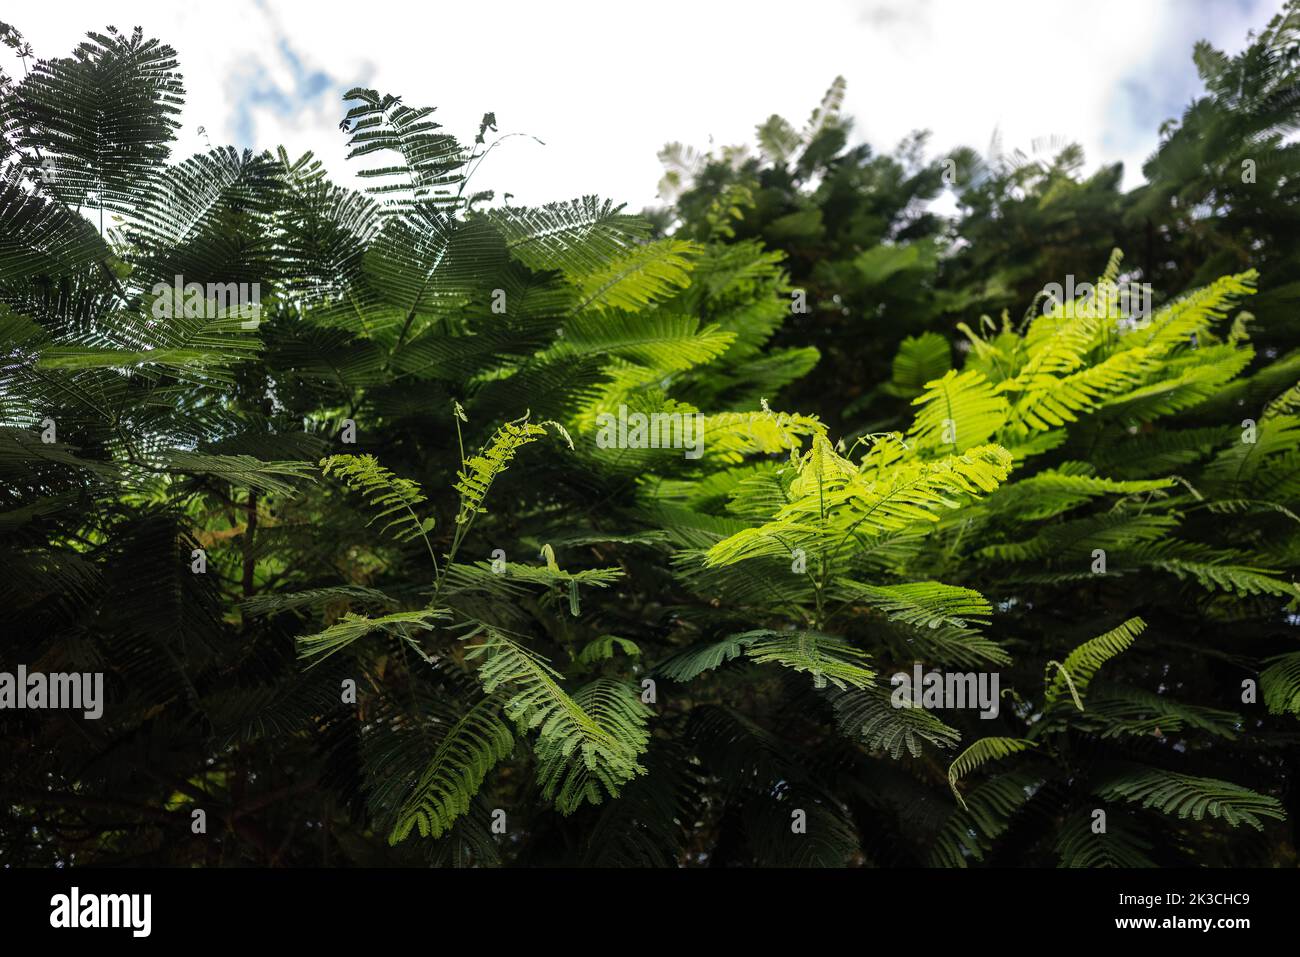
(793, 524)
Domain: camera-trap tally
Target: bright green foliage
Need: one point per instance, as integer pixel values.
(826, 658)
(850, 221)
(383, 491)
(479, 471)
(587, 743)
(1082, 663)
(351, 627)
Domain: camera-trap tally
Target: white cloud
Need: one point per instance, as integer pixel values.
(605, 85)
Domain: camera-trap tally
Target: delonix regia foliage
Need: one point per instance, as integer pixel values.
(367, 585)
(1221, 195)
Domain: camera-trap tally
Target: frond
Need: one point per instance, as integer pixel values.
(868, 714)
(241, 470)
(776, 138)
(1193, 797)
(1118, 710)
(605, 647)
(1161, 452)
(467, 752)
(573, 767)
(1110, 531)
(587, 744)
(827, 113)
(693, 662)
(951, 644)
(919, 361)
(732, 435)
(979, 753)
(648, 826)
(923, 604)
(106, 116)
(838, 510)
(1195, 313)
(1280, 683)
(1247, 506)
(467, 577)
(423, 263)
(661, 341)
(273, 603)
(958, 411)
(1119, 845)
(394, 498)
(1186, 385)
(1054, 491)
(830, 838)
(1236, 467)
(352, 626)
(264, 711)
(989, 810)
(478, 472)
(1058, 342)
(1216, 571)
(644, 275)
(1082, 663)
(188, 207)
(825, 657)
(43, 238)
(505, 583)
(421, 163)
(578, 238)
(1048, 401)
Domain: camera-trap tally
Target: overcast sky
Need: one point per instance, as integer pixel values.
(606, 84)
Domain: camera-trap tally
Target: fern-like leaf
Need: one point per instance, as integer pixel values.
(587, 744)
(479, 471)
(1280, 683)
(1082, 663)
(394, 497)
(465, 755)
(979, 753)
(825, 657)
(1192, 797)
(338, 636)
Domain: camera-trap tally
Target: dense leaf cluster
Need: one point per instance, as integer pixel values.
(373, 577)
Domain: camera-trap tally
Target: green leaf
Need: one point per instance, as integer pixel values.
(350, 627)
